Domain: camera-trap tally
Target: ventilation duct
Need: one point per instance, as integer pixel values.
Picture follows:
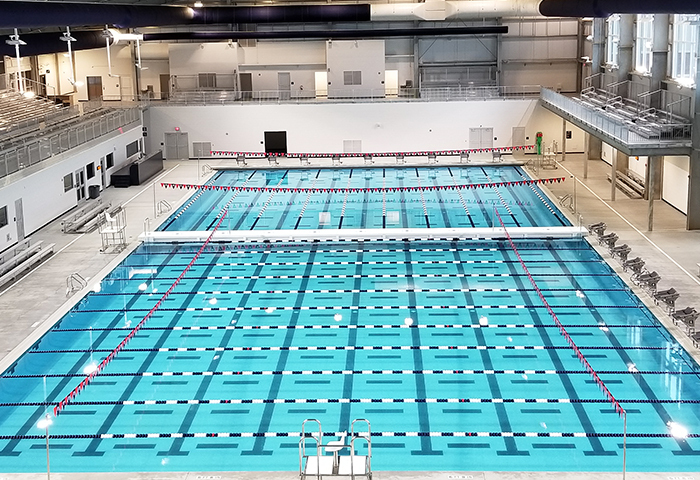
(326, 34)
(42, 43)
(604, 8)
(52, 14)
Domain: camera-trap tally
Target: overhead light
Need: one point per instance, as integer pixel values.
(198, 4)
(29, 94)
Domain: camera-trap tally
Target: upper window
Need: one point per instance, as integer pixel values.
(352, 77)
(3, 216)
(643, 45)
(685, 48)
(613, 40)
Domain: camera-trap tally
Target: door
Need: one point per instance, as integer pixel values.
(80, 183)
(19, 216)
(103, 172)
(276, 142)
(481, 137)
(177, 146)
(164, 86)
(321, 84)
(94, 88)
(126, 88)
(518, 136)
(391, 83)
(246, 86)
(284, 85)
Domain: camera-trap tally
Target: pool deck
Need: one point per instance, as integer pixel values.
(32, 304)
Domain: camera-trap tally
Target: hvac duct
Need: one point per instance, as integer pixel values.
(603, 8)
(327, 34)
(439, 10)
(52, 14)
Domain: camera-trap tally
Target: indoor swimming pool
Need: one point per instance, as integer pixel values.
(443, 345)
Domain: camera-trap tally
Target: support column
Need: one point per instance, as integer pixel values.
(659, 61)
(598, 52)
(416, 63)
(653, 186)
(563, 139)
(693, 217)
(625, 57)
(613, 178)
(594, 147)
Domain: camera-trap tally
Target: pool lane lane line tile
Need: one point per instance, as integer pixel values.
(494, 387)
(184, 208)
(269, 410)
(500, 197)
(542, 199)
(423, 413)
(306, 202)
(461, 198)
(345, 200)
(374, 262)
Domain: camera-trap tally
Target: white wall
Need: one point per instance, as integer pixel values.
(193, 58)
(366, 56)
(608, 153)
(675, 183)
(41, 191)
(93, 63)
(322, 127)
(551, 126)
(638, 165)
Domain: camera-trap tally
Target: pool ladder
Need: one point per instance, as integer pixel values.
(315, 463)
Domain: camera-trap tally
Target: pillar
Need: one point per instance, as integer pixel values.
(693, 217)
(659, 61)
(625, 57)
(598, 51)
(594, 147)
(653, 186)
(563, 139)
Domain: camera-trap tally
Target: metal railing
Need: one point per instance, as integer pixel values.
(35, 149)
(458, 93)
(625, 132)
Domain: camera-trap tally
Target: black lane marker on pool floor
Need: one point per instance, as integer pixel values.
(275, 384)
(267, 202)
(194, 198)
(494, 387)
(501, 199)
(176, 446)
(596, 445)
(461, 198)
(660, 410)
(423, 412)
(348, 381)
(92, 449)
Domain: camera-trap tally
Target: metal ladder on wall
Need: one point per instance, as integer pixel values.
(314, 461)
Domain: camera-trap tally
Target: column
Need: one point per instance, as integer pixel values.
(693, 217)
(659, 59)
(625, 57)
(598, 52)
(653, 186)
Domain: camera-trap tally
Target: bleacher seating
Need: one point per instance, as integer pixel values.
(25, 255)
(19, 113)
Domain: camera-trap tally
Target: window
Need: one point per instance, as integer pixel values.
(68, 182)
(352, 78)
(90, 169)
(613, 41)
(643, 45)
(110, 160)
(685, 38)
(207, 80)
(3, 216)
(132, 149)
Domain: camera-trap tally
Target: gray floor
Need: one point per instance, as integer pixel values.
(35, 302)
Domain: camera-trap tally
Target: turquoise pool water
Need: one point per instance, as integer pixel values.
(258, 337)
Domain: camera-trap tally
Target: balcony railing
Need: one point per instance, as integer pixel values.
(39, 148)
(617, 127)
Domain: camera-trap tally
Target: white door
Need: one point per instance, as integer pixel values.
(176, 146)
(321, 84)
(284, 85)
(391, 83)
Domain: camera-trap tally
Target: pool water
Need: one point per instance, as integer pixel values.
(444, 346)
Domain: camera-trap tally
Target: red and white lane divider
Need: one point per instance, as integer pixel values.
(562, 330)
(513, 183)
(419, 153)
(86, 381)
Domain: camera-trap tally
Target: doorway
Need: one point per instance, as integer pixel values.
(246, 86)
(19, 218)
(80, 183)
(94, 88)
(391, 83)
(177, 146)
(284, 85)
(321, 84)
(164, 86)
(276, 142)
